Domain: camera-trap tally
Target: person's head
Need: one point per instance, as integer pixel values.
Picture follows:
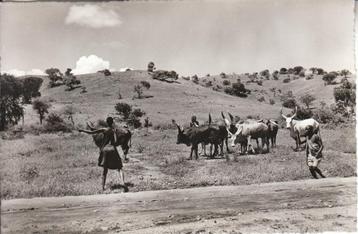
(193, 118)
(309, 130)
(109, 121)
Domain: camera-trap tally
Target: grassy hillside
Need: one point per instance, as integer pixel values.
(61, 164)
(170, 100)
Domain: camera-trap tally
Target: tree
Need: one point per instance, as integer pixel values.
(71, 80)
(151, 67)
(54, 75)
(320, 71)
(307, 99)
(283, 70)
(11, 111)
(313, 70)
(275, 75)
(345, 72)
(31, 87)
(297, 70)
(123, 109)
(265, 73)
(41, 108)
(145, 84)
(328, 78)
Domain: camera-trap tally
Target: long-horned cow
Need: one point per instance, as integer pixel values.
(273, 129)
(248, 130)
(192, 136)
(298, 127)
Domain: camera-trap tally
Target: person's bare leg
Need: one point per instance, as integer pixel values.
(313, 172)
(320, 172)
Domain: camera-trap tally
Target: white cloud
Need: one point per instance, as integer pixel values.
(17, 72)
(92, 16)
(90, 64)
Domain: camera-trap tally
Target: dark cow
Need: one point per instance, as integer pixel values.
(192, 136)
(273, 129)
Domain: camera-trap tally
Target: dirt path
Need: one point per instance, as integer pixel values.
(296, 206)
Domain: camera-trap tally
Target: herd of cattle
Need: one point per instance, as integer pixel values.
(218, 134)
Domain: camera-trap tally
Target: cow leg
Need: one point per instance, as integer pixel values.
(191, 152)
(250, 145)
(268, 144)
(227, 144)
(104, 176)
(313, 172)
(196, 152)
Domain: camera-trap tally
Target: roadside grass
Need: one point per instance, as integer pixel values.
(65, 164)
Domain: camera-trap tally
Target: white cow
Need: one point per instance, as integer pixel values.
(298, 128)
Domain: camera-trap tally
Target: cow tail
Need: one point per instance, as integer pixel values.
(130, 140)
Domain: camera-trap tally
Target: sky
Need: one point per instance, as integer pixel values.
(190, 37)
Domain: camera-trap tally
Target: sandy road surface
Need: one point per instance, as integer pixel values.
(296, 206)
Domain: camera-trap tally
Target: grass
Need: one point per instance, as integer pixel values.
(65, 164)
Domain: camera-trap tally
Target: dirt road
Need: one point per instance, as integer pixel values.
(296, 206)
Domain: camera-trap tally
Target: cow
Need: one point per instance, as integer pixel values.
(298, 127)
(273, 129)
(193, 136)
(232, 129)
(249, 129)
(124, 139)
(223, 134)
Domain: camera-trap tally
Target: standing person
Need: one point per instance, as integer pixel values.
(109, 157)
(194, 122)
(314, 147)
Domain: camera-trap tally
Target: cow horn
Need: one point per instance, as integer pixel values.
(231, 117)
(209, 118)
(273, 122)
(294, 113)
(222, 114)
(90, 125)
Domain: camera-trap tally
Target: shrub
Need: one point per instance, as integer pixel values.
(309, 77)
(289, 103)
(223, 75)
(328, 78)
(286, 80)
(259, 82)
(163, 75)
(123, 109)
(133, 121)
(226, 82)
(345, 95)
(138, 89)
(138, 112)
(307, 99)
(107, 72)
(302, 73)
(261, 99)
(303, 113)
(265, 73)
(272, 102)
(54, 123)
(145, 84)
(195, 79)
(209, 83)
(28, 173)
(275, 75)
(324, 115)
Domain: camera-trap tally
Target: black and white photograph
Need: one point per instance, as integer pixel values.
(178, 116)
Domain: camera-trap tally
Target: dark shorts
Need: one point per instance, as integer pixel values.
(109, 158)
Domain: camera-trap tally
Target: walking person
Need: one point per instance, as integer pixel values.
(314, 147)
(109, 157)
